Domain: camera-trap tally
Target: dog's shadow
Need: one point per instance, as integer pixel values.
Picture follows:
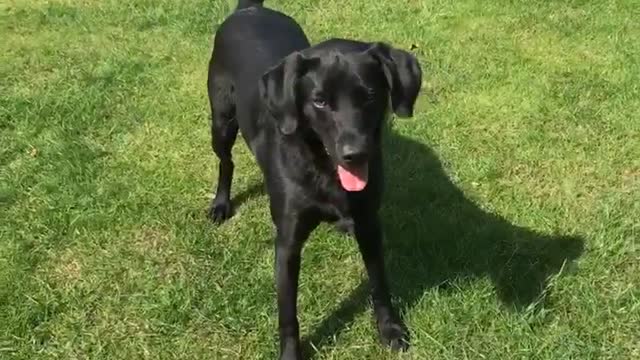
(435, 235)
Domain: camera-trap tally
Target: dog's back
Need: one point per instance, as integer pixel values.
(252, 39)
(243, 4)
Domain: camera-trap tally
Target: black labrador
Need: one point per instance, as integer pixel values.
(313, 118)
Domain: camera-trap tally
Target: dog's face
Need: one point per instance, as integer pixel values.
(343, 97)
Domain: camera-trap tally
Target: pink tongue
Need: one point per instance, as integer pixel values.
(355, 178)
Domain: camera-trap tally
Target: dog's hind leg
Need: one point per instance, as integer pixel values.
(224, 130)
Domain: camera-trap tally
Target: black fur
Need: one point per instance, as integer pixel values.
(304, 111)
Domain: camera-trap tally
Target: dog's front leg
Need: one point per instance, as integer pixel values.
(391, 329)
(292, 233)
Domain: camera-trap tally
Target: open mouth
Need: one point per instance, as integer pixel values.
(353, 177)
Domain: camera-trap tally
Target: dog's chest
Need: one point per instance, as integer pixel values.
(328, 198)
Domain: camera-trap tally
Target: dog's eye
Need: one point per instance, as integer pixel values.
(319, 103)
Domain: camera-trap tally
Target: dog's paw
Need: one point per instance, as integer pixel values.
(291, 356)
(394, 334)
(345, 226)
(291, 352)
(220, 211)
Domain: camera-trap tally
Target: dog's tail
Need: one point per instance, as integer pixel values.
(243, 4)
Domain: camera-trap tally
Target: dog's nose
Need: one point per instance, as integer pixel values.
(353, 154)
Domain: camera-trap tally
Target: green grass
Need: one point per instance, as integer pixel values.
(524, 155)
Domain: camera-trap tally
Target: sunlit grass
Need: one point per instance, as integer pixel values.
(526, 131)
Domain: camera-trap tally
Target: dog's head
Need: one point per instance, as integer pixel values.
(340, 90)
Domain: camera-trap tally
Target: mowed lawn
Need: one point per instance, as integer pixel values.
(512, 213)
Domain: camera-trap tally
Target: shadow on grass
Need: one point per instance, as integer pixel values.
(435, 235)
(255, 189)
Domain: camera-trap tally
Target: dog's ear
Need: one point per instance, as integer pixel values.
(403, 74)
(279, 91)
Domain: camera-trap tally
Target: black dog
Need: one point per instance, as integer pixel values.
(313, 118)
